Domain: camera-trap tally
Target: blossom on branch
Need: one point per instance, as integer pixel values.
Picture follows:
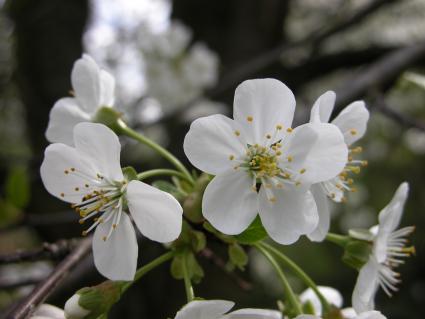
(261, 164)
(89, 176)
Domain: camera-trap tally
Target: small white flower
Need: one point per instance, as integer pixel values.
(332, 295)
(352, 121)
(89, 176)
(217, 309)
(388, 249)
(260, 147)
(364, 315)
(46, 311)
(93, 88)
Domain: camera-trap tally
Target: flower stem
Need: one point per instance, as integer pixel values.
(148, 267)
(187, 282)
(300, 273)
(124, 129)
(340, 240)
(292, 299)
(156, 172)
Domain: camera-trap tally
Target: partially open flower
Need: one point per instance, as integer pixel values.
(89, 176)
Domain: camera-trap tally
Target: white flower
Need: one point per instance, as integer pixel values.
(352, 121)
(89, 176)
(388, 249)
(46, 311)
(73, 310)
(217, 309)
(259, 146)
(332, 295)
(93, 88)
(364, 315)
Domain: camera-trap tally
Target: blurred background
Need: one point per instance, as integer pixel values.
(178, 60)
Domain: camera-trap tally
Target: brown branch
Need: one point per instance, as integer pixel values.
(43, 289)
(51, 251)
(380, 74)
(381, 105)
(220, 263)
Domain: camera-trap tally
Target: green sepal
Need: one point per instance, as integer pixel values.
(198, 240)
(308, 308)
(192, 206)
(99, 299)
(111, 118)
(195, 271)
(254, 233)
(237, 256)
(169, 188)
(130, 173)
(356, 253)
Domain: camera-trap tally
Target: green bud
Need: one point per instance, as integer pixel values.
(237, 256)
(192, 206)
(93, 302)
(197, 240)
(110, 117)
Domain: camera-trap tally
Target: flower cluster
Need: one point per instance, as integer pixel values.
(256, 163)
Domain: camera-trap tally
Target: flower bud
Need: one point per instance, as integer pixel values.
(110, 117)
(73, 309)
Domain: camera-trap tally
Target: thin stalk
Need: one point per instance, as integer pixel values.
(187, 282)
(300, 273)
(285, 283)
(168, 172)
(340, 240)
(124, 129)
(148, 267)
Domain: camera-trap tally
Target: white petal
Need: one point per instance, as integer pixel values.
(319, 148)
(73, 309)
(204, 309)
(389, 219)
(348, 313)
(49, 311)
(294, 213)
(57, 176)
(269, 102)
(250, 313)
(211, 141)
(107, 89)
(102, 145)
(157, 214)
(307, 317)
(229, 203)
(116, 258)
(332, 295)
(365, 288)
(323, 107)
(371, 315)
(322, 228)
(85, 78)
(64, 115)
(352, 121)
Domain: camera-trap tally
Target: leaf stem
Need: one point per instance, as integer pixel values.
(157, 172)
(148, 267)
(300, 273)
(124, 129)
(292, 299)
(187, 282)
(340, 240)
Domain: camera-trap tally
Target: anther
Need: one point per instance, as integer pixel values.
(272, 199)
(237, 133)
(231, 157)
(104, 238)
(268, 136)
(66, 171)
(302, 171)
(84, 233)
(72, 169)
(289, 158)
(249, 118)
(289, 130)
(62, 195)
(353, 131)
(86, 185)
(76, 189)
(279, 127)
(114, 226)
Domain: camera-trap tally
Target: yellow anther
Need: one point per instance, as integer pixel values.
(333, 195)
(84, 233)
(231, 157)
(272, 199)
(289, 130)
(289, 158)
(62, 195)
(364, 163)
(236, 167)
(249, 118)
(353, 131)
(86, 185)
(66, 171)
(350, 158)
(302, 171)
(287, 175)
(350, 181)
(104, 238)
(357, 149)
(339, 186)
(297, 183)
(268, 136)
(279, 127)
(114, 226)
(278, 153)
(355, 169)
(279, 185)
(72, 169)
(353, 189)
(237, 133)
(81, 221)
(254, 188)
(76, 189)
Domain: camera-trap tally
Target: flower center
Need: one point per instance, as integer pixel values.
(262, 161)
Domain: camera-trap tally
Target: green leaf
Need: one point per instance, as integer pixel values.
(17, 187)
(254, 233)
(238, 256)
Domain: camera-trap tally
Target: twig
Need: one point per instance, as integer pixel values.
(43, 289)
(51, 251)
(380, 74)
(381, 105)
(220, 263)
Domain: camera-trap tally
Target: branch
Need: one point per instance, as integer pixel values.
(220, 263)
(52, 251)
(381, 105)
(43, 289)
(380, 74)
